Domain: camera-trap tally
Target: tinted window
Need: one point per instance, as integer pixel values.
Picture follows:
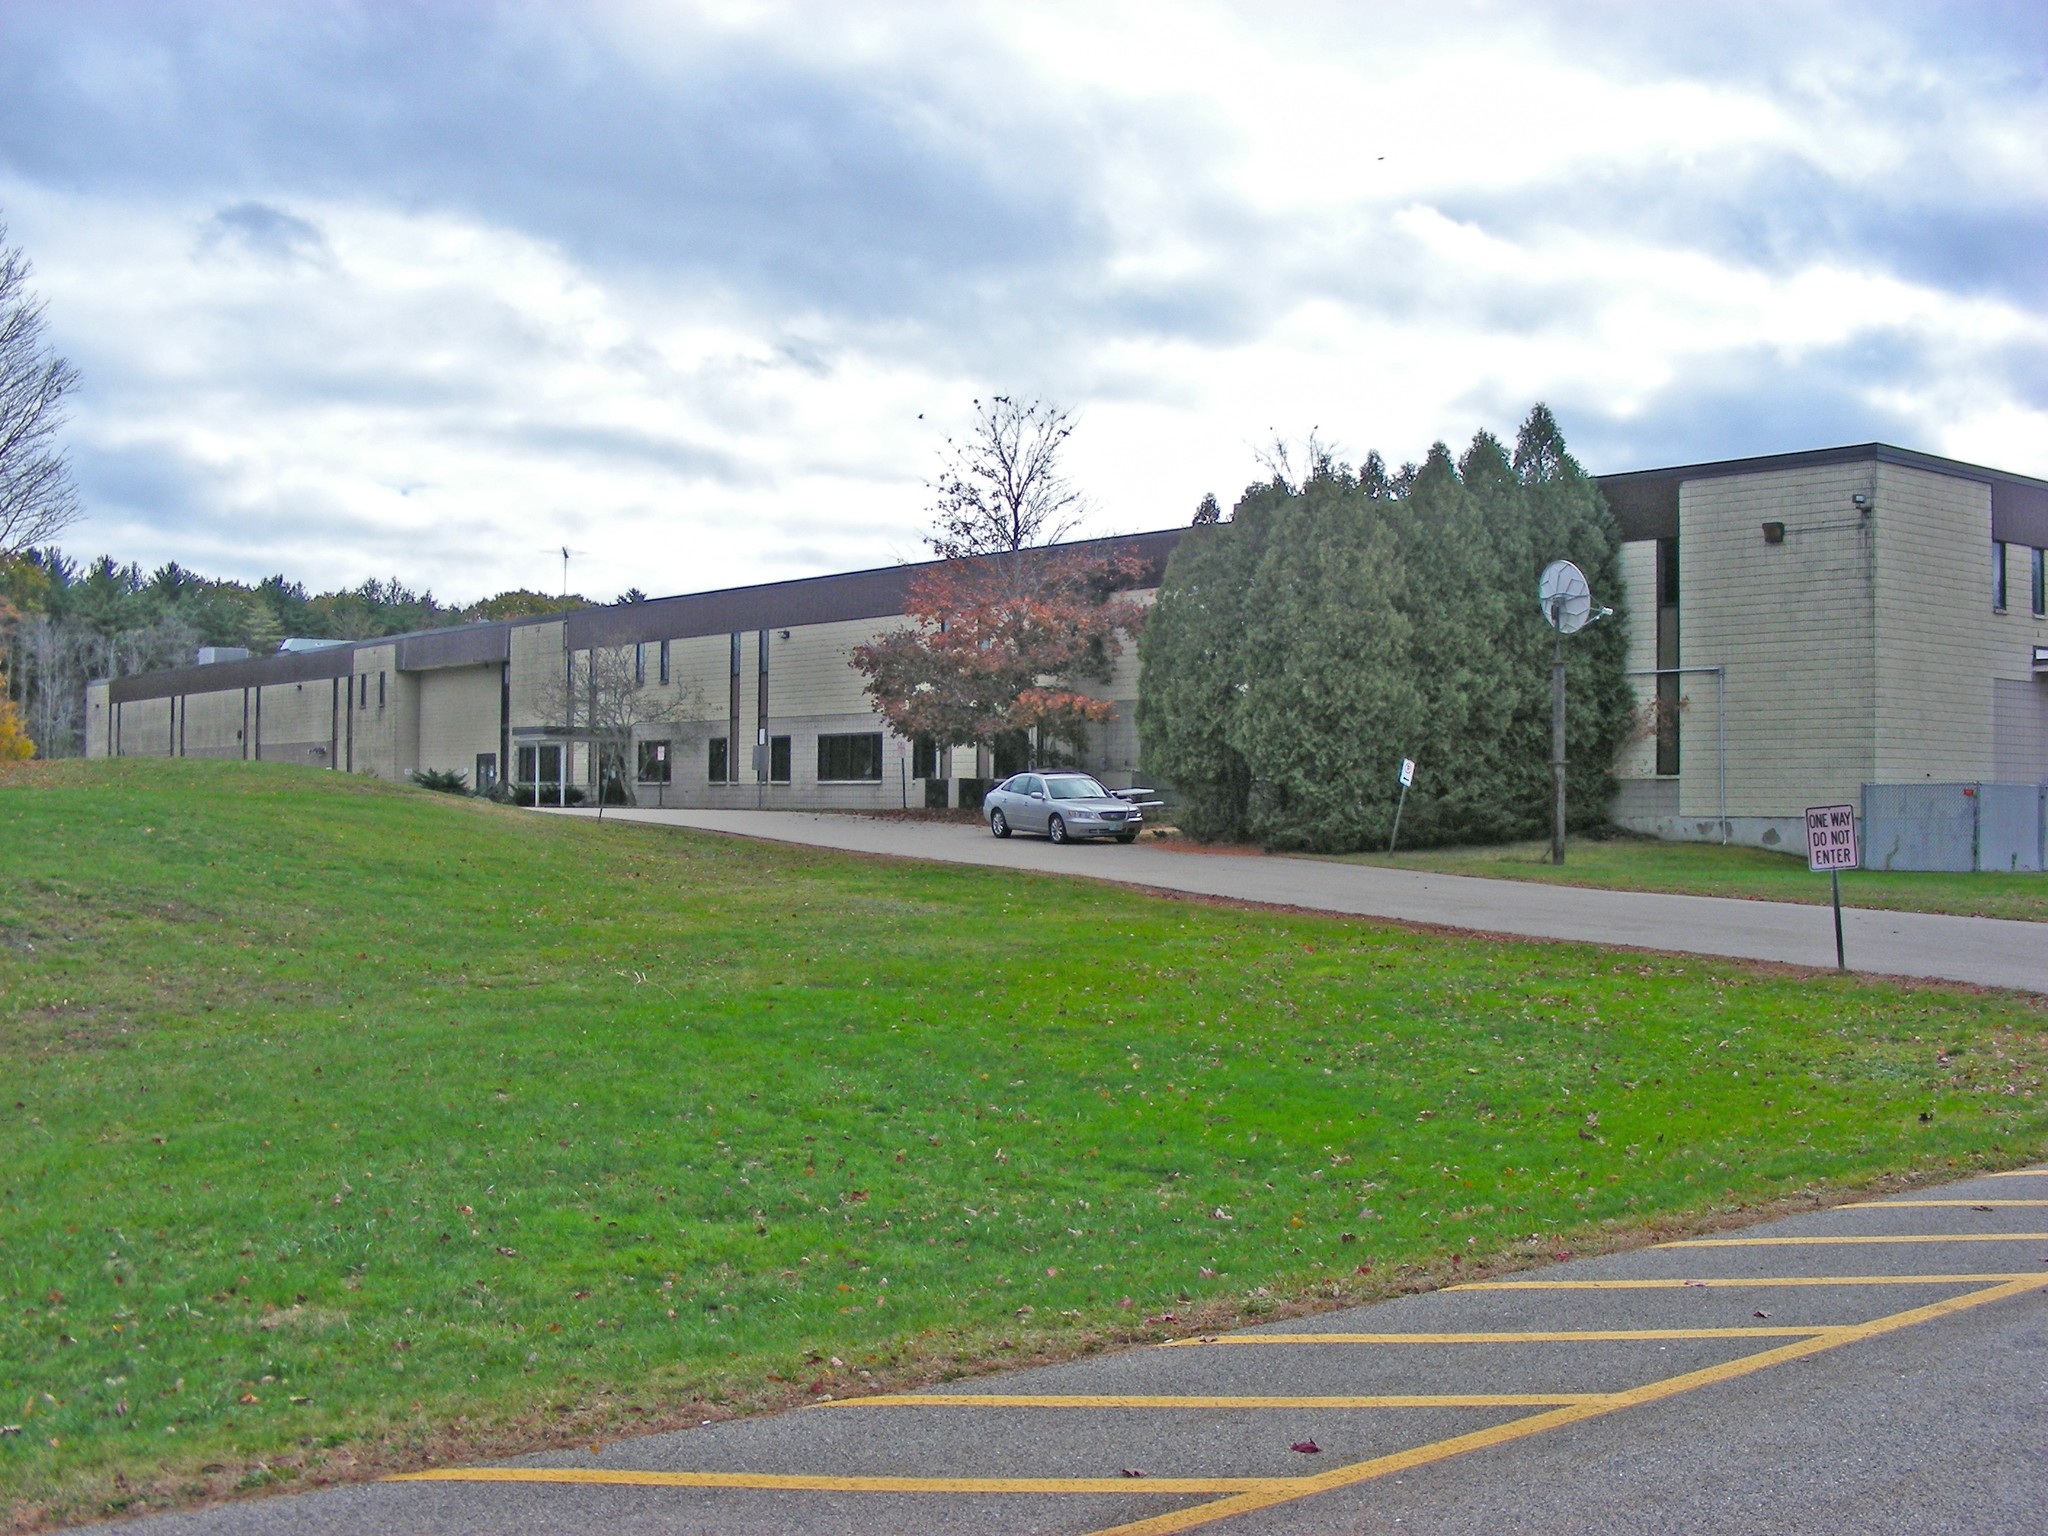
(850, 757)
(1077, 789)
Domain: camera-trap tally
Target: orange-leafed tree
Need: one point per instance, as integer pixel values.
(1006, 642)
(15, 745)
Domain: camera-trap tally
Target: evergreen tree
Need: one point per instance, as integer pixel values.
(1298, 652)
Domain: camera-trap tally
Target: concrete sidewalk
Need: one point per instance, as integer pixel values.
(1985, 951)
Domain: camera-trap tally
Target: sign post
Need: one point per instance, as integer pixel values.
(1407, 778)
(1831, 846)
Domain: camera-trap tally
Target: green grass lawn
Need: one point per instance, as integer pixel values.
(345, 1127)
(1707, 869)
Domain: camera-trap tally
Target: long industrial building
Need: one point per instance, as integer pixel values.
(1800, 626)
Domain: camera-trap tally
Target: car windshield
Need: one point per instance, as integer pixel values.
(1076, 789)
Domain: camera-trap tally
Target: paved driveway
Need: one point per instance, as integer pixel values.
(1987, 951)
(1874, 1368)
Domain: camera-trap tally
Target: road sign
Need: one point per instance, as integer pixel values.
(1830, 837)
(1407, 771)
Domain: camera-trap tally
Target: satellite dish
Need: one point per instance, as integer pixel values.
(1566, 599)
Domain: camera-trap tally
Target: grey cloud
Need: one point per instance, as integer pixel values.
(262, 230)
(773, 175)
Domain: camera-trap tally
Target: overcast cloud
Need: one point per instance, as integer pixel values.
(431, 289)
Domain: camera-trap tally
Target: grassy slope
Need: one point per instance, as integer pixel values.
(334, 1113)
(1707, 869)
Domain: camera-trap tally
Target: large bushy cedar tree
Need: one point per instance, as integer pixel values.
(1005, 643)
(1301, 649)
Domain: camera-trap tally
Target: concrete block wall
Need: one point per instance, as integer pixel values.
(1938, 642)
(1794, 626)
(458, 710)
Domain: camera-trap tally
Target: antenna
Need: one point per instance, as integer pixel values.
(565, 552)
(1565, 596)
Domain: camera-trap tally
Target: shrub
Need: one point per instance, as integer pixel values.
(443, 781)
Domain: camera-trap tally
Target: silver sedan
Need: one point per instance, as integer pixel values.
(1061, 805)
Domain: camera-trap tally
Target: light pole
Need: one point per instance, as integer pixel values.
(1568, 607)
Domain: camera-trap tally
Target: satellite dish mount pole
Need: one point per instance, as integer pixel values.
(1557, 739)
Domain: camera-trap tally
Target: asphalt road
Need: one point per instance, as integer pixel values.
(1986, 951)
(1872, 1368)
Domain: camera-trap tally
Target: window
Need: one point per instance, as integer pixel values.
(2040, 583)
(735, 655)
(664, 661)
(720, 760)
(924, 758)
(380, 690)
(639, 665)
(540, 765)
(654, 762)
(1667, 573)
(761, 651)
(1998, 575)
(778, 759)
(365, 691)
(851, 759)
(486, 772)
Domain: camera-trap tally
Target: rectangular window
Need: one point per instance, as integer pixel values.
(924, 758)
(851, 759)
(735, 655)
(1998, 575)
(540, 764)
(486, 772)
(719, 761)
(2041, 583)
(761, 646)
(365, 691)
(1668, 710)
(664, 661)
(639, 665)
(778, 759)
(380, 690)
(1667, 573)
(654, 762)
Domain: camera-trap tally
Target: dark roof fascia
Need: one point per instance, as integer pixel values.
(836, 599)
(1645, 501)
(220, 676)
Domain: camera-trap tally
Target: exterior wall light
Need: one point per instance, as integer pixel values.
(1774, 533)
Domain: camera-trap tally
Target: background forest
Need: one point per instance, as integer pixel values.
(1344, 619)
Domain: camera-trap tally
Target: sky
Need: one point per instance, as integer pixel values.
(431, 290)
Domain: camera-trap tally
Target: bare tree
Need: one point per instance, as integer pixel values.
(1001, 489)
(602, 695)
(37, 499)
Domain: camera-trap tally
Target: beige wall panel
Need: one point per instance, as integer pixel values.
(298, 722)
(458, 714)
(1638, 756)
(213, 724)
(1792, 623)
(536, 653)
(99, 720)
(378, 739)
(145, 728)
(1939, 645)
(810, 673)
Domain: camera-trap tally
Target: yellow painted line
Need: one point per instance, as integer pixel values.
(1583, 1336)
(1107, 1400)
(818, 1483)
(1802, 1242)
(1718, 1283)
(1274, 1494)
(1925, 1205)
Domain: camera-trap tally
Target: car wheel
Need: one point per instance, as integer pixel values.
(998, 823)
(1056, 829)
(1127, 837)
